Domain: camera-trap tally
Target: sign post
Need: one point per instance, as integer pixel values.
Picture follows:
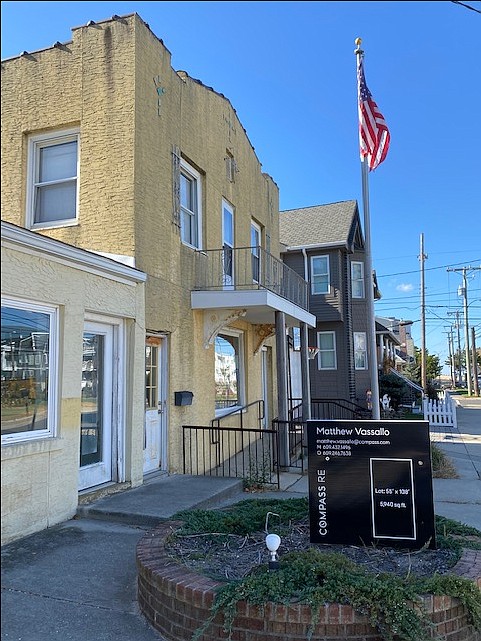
(370, 483)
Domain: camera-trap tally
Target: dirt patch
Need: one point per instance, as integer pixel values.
(228, 557)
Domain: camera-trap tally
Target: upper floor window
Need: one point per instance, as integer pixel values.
(320, 274)
(256, 251)
(52, 189)
(357, 279)
(190, 205)
(360, 350)
(327, 359)
(228, 244)
(231, 166)
(29, 369)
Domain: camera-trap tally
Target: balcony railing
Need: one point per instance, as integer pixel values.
(247, 268)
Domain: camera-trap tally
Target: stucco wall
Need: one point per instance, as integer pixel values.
(40, 477)
(115, 82)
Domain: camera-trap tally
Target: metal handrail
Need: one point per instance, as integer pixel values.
(236, 452)
(355, 411)
(215, 422)
(247, 268)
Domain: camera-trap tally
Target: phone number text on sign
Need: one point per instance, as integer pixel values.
(327, 447)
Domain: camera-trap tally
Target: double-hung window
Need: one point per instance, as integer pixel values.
(53, 172)
(327, 359)
(228, 245)
(320, 274)
(360, 350)
(256, 251)
(29, 370)
(357, 279)
(190, 205)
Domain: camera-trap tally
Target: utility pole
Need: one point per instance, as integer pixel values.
(452, 364)
(475, 361)
(422, 258)
(459, 378)
(460, 365)
(452, 360)
(464, 293)
(466, 331)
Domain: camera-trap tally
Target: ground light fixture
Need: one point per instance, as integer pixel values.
(273, 542)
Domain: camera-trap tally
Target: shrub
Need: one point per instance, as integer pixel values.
(314, 578)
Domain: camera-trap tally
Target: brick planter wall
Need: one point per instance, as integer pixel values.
(176, 601)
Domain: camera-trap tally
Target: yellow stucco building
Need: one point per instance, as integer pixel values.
(107, 148)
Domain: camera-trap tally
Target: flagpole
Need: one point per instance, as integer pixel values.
(372, 351)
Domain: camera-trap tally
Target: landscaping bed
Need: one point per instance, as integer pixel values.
(210, 569)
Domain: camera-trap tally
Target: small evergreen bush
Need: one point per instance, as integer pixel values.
(313, 577)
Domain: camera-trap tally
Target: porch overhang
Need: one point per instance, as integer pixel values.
(260, 305)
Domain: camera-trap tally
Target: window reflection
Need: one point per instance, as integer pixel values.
(227, 381)
(25, 362)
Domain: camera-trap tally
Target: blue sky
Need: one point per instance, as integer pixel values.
(289, 70)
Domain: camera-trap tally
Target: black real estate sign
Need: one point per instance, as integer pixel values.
(370, 482)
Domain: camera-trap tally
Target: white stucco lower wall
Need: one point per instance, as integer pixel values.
(39, 477)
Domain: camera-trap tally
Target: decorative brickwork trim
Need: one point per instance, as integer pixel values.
(176, 601)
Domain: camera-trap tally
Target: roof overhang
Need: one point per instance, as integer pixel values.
(260, 305)
(31, 242)
(315, 246)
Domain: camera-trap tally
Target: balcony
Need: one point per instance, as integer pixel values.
(252, 279)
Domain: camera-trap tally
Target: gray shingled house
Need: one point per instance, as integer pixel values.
(325, 245)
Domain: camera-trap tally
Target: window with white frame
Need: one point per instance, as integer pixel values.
(53, 172)
(319, 274)
(190, 205)
(326, 358)
(228, 245)
(29, 370)
(229, 370)
(256, 251)
(357, 279)
(360, 350)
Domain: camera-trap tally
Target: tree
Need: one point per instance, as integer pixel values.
(433, 367)
(394, 387)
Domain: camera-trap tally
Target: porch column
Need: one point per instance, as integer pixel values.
(306, 385)
(281, 354)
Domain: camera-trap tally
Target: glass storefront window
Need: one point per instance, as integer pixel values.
(26, 370)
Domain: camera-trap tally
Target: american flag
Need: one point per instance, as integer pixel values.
(374, 135)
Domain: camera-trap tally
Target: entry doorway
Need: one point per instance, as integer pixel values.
(100, 437)
(265, 386)
(155, 420)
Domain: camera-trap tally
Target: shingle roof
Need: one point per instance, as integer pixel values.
(318, 225)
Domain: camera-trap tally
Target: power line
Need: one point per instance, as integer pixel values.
(467, 6)
(427, 270)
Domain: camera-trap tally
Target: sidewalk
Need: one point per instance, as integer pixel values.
(160, 498)
(77, 581)
(460, 499)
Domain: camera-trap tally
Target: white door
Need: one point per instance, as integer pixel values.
(256, 252)
(98, 400)
(155, 405)
(228, 245)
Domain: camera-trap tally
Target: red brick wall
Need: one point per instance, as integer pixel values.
(176, 601)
